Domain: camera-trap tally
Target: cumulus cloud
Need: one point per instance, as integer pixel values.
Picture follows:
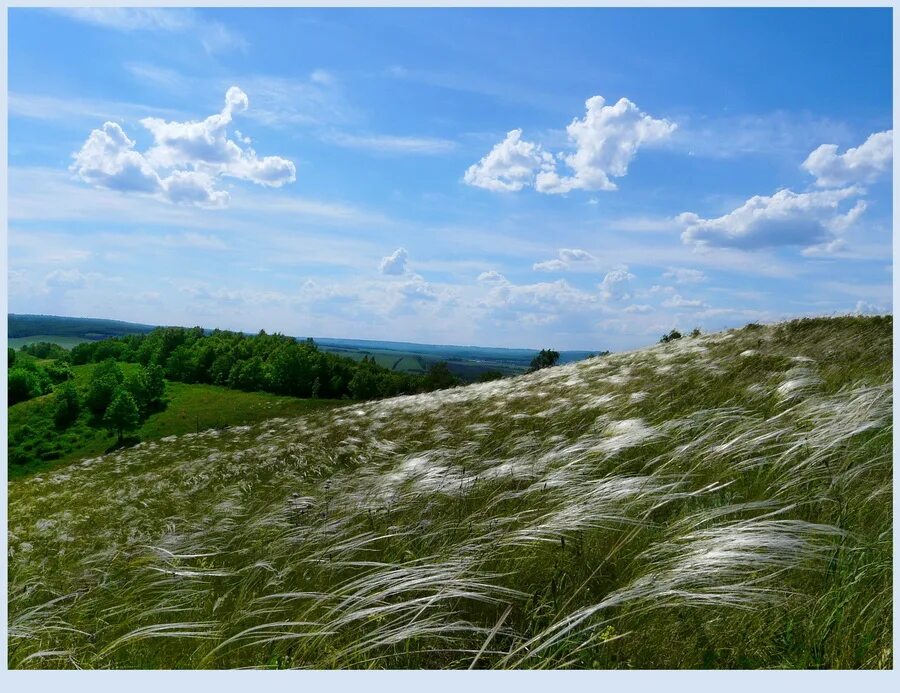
(417, 289)
(510, 165)
(783, 219)
(683, 275)
(395, 263)
(491, 276)
(616, 285)
(605, 142)
(862, 164)
(568, 258)
(185, 162)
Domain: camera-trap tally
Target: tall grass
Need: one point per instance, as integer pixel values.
(686, 505)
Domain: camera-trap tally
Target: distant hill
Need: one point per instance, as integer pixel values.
(466, 362)
(85, 328)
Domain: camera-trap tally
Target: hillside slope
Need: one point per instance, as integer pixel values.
(720, 501)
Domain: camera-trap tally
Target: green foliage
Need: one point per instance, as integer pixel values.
(122, 414)
(10, 357)
(695, 332)
(107, 378)
(59, 371)
(439, 377)
(670, 337)
(547, 358)
(488, 376)
(261, 363)
(44, 350)
(67, 407)
(25, 381)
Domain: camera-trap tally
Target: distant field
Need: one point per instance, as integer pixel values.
(191, 408)
(65, 341)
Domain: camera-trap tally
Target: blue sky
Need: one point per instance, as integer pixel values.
(566, 178)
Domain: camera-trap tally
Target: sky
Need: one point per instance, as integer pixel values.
(572, 179)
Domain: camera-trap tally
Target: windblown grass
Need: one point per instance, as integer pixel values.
(721, 501)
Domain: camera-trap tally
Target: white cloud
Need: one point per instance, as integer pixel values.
(550, 266)
(417, 289)
(568, 258)
(395, 263)
(616, 285)
(65, 279)
(543, 295)
(677, 301)
(213, 36)
(683, 275)
(865, 308)
(491, 276)
(510, 165)
(606, 140)
(638, 308)
(862, 164)
(185, 162)
(108, 159)
(392, 144)
(783, 219)
(321, 76)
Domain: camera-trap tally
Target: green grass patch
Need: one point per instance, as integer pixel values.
(35, 444)
(65, 341)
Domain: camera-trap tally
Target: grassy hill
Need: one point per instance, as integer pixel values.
(190, 408)
(718, 501)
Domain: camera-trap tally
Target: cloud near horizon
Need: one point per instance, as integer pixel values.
(185, 162)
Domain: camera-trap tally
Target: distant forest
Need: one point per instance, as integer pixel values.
(263, 362)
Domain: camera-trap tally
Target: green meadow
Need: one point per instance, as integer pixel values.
(718, 501)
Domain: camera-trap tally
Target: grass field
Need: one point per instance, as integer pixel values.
(190, 408)
(721, 501)
(66, 342)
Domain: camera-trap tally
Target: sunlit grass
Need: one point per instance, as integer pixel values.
(720, 518)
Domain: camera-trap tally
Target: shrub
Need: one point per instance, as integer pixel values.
(672, 336)
(546, 358)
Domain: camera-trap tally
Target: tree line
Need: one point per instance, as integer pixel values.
(262, 362)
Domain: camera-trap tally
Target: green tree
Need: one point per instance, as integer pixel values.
(136, 384)
(59, 371)
(10, 357)
(546, 358)
(156, 386)
(68, 405)
(122, 414)
(106, 379)
(439, 377)
(21, 384)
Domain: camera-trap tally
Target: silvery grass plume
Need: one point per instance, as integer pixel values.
(721, 500)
